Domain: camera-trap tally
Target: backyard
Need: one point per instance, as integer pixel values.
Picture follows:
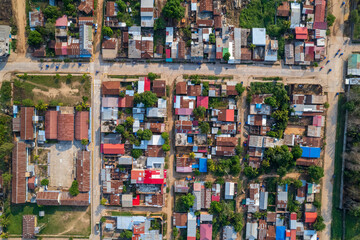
(66, 90)
(58, 221)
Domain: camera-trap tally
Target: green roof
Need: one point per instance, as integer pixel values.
(353, 62)
(225, 50)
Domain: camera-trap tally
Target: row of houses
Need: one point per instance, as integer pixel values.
(281, 224)
(146, 174)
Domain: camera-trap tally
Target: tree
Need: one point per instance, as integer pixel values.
(319, 224)
(192, 155)
(204, 127)
(330, 19)
(185, 202)
(166, 147)
(235, 168)
(281, 171)
(35, 39)
(199, 112)
(45, 182)
(136, 153)
(6, 178)
(102, 219)
(317, 204)
(354, 16)
(148, 98)
(315, 173)
(165, 136)
(126, 234)
(103, 201)
(52, 13)
(27, 103)
(152, 76)
(296, 151)
(175, 232)
(159, 24)
(74, 189)
(120, 129)
(252, 46)
(239, 88)
(350, 106)
(208, 184)
(226, 56)
(84, 142)
(220, 180)
(250, 172)
(173, 9)
(129, 122)
(212, 38)
(41, 106)
(107, 31)
(326, 105)
(121, 5)
(297, 183)
(6, 148)
(271, 101)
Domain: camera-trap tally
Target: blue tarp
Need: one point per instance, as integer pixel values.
(190, 140)
(203, 165)
(280, 232)
(195, 166)
(310, 152)
(258, 105)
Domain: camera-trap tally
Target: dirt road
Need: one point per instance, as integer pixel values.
(19, 12)
(97, 39)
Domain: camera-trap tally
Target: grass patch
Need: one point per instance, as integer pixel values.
(113, 213)
(215, 102)
(272, 78)
(56, 219)
(352, 226)
(336, 224)
(208, 77)
(127, 76)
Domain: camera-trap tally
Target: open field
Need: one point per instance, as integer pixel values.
(352, 227)
(57, 220)
(336, 226)
(52, 89)
(5, 11)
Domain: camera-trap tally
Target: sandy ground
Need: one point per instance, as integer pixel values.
(297, 130)
(61, 168)
(19, 13)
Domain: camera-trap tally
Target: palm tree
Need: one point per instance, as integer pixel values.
(41, 106)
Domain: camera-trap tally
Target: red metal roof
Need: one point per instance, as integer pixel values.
(51, 124)
(113, 148)
(48, 198)
(82, 199)
(83, 171)
(111, 88)
(147, 84)
(26, 125)
(226, 115)
(154, 177)
(81, 125)
(18, 193)
(61, 21)
(136, 201)
(320, 11)
(168, 53)
(205, 231)
(310, 217)
(301, 32)
(203, 101)
(293, 216)
(65, 127)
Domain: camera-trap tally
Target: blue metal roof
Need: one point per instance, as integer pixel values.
(203, 164)
(280, 233)
(310, 152)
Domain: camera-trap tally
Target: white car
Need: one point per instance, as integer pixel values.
(96, 26)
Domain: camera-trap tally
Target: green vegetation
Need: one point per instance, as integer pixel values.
(204, 127)
(57, 219)
(315, 173)
(281, 114)
(184, 203)
(126, 234)
(337, 216)
(35, 39)
(129, 18)
(352, 224)
(330, 18)
(199, 112)
(136, 153)
(206, 77)
(239, 88)
(148, 98)
(224, 214)
(107, 31)
(224, 167)
(212, 38)
(152, 76)
(226, 56)
(74, 189)
(144, 134)
(173, 10)
(45, 182)
(319, 224)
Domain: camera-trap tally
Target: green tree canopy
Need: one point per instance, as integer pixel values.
(185, 202)
(212, 38)
(52, 13)
(136, 153)
(330, 19)
(107, 31)
(45, 182)
(35, 39)
(239, 88)
(74, 189)
(173, 9)
(226, 56)
(148, 98)
(319, 224)
(159, 24)
(204, 127)
(315, 173)
(199, 112)
(152, 76)
(296, 151)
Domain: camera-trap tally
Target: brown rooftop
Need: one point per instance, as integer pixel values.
(110, 9)
(227, 141)
(51, 124)
(155, 127)
(245, 54)
(18, 193)
(181, 49)
(181, 88)
(154, 151)
(206, 5)
(194, 90)
(111, 88)
(109, 44)
(159, 87)
(271, 217)
(83, 171)
(114, 199)
(82, 199)
(180, 219)
(231, 91)
(65, 127)
(48, 198)
(284, 9)
(28, 226)
(26, 126)
(81, 125)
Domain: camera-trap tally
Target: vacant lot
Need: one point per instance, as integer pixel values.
(55, 90)
(5, 11)
(62, 154)
(61, 221)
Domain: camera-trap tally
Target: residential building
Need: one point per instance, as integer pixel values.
(4, 41)
(147, 13)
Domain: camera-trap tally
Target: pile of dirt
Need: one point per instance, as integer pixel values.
(5, 11)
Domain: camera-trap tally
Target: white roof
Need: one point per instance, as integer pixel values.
(162, 103)
(259, 36)
(193, 7)
(126, 223)
(154, 162)
(295, 15)
(251, 231)
(141, 86)
(156, 140)
(191, 225)
(169, 35)
(229, 190)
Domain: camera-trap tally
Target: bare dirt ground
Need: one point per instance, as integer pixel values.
(5, 14)
(99, 18)
(18, 7)
(295, 130)
(62, 154)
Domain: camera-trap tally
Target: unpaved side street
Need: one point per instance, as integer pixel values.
(18, 7)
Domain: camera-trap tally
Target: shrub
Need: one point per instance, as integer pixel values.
(45, 182)
(74, 189)
(166, 147)
(136, 153)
